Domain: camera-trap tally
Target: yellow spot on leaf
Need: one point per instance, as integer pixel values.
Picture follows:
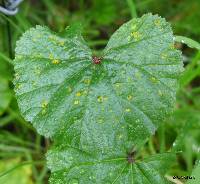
(100, 120)
(128, 110)
(120, 136)
(87, 81)
(133, 27)
(117, 85)
(69, 89)
(76, 102)
(129, 97)
(78, 94)
(100, 98)
(153, 79)
(19, 57)
(157, 22)
(18, 86)
(51, 56)
(44, 111)
(163, 56)
(136, 35)
(61, 43)
(55, 61)
(44, 104)
(160, 93)
(38, 36)
(138, 75)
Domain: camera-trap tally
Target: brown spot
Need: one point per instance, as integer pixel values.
(130, 157)
(96, 60)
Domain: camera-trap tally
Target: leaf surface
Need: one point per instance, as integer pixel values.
(72, 166)
(98, 112)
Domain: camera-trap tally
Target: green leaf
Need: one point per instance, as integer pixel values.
(5, 92)
(5, 95)
(195, 174)
(188, 41)
(72, 166)
(20, 175)
(98, 112)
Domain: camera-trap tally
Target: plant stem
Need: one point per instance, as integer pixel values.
(161, 134)
(9, 36)
(132, 7)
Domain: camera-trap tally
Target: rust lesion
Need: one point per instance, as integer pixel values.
(96, 60)
(131, 157)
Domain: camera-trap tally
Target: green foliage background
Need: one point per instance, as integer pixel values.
(20, 144)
